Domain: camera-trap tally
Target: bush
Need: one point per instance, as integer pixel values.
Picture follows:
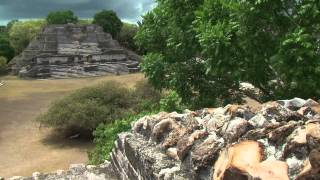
(86, 108)
(61, 17)
(3, 65)
(109, 21)
(171, 102)
(147, 96)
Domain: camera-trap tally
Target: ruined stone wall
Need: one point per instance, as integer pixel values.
(278, 142)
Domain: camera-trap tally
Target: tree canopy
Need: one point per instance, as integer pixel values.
(203, 49)
(109, 21)
(3, 65)
(61, 17)
(6, 50)
(21, 33)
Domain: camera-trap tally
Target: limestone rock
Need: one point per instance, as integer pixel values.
(76, 171)
(227, 143)
(311, 169)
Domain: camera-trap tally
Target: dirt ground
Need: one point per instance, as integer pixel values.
(26, 148)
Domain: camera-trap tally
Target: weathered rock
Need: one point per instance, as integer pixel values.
(205, 153)
(186, 146)
(251, 91)
(62, 51)
(76, 171)
(311, 170)
(293, 104)
(313, 135)
(277, 136)
(235, 128)
(244, 159)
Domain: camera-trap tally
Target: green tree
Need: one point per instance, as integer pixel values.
(61, 17)
(21, 33)
(5, 48)
(271, 44)
(202, 49)
(173, 59)
(126, 36)
(3, 65)
(109, 21)
(11, 23)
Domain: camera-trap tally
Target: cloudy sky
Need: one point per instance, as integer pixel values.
(128, 10)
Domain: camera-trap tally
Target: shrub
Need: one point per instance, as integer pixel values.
(61, 17)
(86, 108)
(148, 97)
(109, 21)
(3, 65)
(171, 102)
(106, 134)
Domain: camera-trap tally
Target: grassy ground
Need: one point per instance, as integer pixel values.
(17, 88)
(26, 148)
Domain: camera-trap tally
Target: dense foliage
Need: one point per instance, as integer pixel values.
(86, 108)
(6, 50)
(61, 17)
(126, 36)
(21, 33)
(3, 65)
(202, 49)
(109, 21)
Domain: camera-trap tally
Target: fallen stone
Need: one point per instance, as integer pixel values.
(235, 128)
(311, 168)
(293, 104)
(244, 159)
(205, 153)
(185, 144)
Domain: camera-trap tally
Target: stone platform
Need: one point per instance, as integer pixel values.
(64, 51)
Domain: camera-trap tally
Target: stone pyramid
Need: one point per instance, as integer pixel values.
(64, 51)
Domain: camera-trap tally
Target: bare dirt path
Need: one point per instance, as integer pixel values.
(26, 148)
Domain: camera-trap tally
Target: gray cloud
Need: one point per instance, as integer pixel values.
(130, 10)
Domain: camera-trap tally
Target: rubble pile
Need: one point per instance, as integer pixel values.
(277, 142)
